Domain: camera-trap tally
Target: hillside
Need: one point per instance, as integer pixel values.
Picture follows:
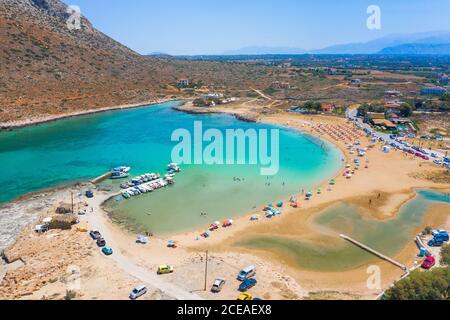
(419, 48)
(48, 69)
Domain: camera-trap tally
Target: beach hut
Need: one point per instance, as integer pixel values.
(294, 204)
(280, 204)
(254, 217)
(386, 149)
(319, 191)
(333, 182)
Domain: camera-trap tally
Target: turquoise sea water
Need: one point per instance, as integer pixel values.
(388, 237)
(82, 148)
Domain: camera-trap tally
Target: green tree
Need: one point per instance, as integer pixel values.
(406, 110)
(363, 109)
(445, 97)
(431, 285)
(445, 255)
(312, 106)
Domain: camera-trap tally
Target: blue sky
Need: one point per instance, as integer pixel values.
(215, 26)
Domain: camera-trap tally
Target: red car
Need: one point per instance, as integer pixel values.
(425, 158)
(429, 263)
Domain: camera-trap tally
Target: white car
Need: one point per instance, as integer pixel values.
(138, 292)
(218, 285)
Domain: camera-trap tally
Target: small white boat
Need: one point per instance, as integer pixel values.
(121, 169)
(119, 175)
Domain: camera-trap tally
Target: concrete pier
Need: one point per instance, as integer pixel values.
(374, 252)
(102, 178)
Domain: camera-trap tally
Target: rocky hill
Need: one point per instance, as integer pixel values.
(48, 69)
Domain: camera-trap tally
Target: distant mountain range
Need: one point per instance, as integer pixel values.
(255, 50)
(437, 42)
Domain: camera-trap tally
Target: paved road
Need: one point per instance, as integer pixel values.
(352, 115)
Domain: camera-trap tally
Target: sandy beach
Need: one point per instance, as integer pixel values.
(379, 191)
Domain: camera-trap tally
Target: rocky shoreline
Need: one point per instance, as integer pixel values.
(10, 126)
(246, 117)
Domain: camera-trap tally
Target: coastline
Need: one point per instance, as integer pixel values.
(10, 126)
(220, 242)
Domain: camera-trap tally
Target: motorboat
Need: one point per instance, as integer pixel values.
(121, 169)
(119, 175)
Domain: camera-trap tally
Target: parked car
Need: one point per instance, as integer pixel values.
(107, 251)
(138, 292)
(101, 242)
(218, 285)
(245, 297)
(441, 235)
(436, 242)
(165, 269)
(95, 234)
(41, 228)
(247, 284)
(429, 263)
(247, 273)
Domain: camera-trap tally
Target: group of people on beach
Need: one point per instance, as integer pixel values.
(338, 132)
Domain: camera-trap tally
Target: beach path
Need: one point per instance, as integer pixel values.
(140, 273)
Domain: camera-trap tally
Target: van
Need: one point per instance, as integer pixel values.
(246, 273)
(138, 292)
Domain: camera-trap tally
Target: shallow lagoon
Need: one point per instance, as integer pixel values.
(388, 237)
